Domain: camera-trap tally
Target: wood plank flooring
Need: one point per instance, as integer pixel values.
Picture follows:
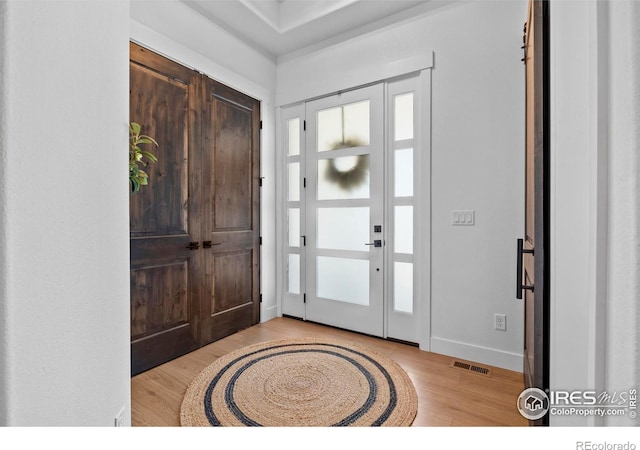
(446, 396)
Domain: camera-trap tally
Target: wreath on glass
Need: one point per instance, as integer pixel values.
(353, 176)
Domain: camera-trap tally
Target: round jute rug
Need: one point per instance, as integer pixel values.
(301, 382)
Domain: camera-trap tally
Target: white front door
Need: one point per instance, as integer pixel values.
(356, 188)
(345, 210)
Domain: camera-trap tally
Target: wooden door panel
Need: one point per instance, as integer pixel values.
(164, 215)
(529, 336)
(161, 300)
(232, 161)
(160, 106)
(232, 280)
(231, 167)
(229, 241)
(228, 322)
(536, 242)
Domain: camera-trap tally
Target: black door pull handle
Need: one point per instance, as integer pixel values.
(519, 286)
(193, 245)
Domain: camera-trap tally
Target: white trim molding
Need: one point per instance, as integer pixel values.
(334, 81)
(477, 353)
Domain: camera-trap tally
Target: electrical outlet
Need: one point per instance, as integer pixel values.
(118, 421)
(500, 322)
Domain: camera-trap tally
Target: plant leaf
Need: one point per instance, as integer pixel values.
(137, 176)
(135, 128)
(150, 156)
(149, 138)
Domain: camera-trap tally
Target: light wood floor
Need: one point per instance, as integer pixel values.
(446, 396)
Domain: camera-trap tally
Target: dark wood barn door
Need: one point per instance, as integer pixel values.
(195, 228)
(533, 251)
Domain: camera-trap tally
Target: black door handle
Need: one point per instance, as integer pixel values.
(193, 245)
(519, 285)
(376, 243)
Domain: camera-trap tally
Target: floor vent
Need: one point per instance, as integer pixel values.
(470, 367)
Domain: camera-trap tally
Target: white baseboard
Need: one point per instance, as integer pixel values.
(268, 313)
(476, 353)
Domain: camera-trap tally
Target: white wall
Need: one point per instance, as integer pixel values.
(64, 248)
(576, 259)
(173, 29)
(595, 100)
(4, 326)
(477, 160)
(578, 176)
(623, 305)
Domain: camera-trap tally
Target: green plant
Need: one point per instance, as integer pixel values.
(137, 176)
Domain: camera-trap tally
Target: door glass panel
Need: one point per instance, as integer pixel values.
(294, 227)
(403, 287)
(403, 229)
(294, 274)
(403, 118)
(356, 123)
(345, 280)
(343, 228)
(404, 173)
(293, 128)
(343, 126)
(294, 182)
(346, 177)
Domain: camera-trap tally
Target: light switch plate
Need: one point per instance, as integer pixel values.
(463, 217)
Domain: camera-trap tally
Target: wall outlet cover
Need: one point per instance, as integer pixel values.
(500, 322)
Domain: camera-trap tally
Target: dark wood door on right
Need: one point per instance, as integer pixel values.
(533, 251)
(231, 214)
(194, 229)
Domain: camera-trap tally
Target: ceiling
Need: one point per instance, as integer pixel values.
(281, 27)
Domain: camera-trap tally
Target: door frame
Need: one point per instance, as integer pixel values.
(537, 291)
(422, 285)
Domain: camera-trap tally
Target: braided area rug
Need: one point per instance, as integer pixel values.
(301, 382)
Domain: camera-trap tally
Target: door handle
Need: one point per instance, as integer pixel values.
(519, 286)
(376, 243)
(193, 245)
